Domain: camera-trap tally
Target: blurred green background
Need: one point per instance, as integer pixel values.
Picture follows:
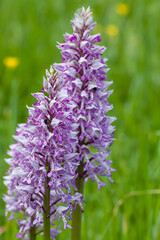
(29, 29)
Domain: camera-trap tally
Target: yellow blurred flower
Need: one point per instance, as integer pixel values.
(111, 30)
(11, 62)
(122, 8)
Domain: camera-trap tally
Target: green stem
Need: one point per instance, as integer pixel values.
(46, 214)
(77, 213)
(32, 230)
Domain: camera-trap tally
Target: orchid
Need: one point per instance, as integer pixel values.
(84, 75)
(66, 138)
(42, 161)
(83, 71)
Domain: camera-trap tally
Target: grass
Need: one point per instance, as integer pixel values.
(128, 209)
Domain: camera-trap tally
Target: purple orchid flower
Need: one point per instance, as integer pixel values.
(66, 138)
(83, 71)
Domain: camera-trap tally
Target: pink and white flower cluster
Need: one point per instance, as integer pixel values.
(66, 123)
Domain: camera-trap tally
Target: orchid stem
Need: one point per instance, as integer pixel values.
(77, 213)
(46, 214)
(32, 230)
